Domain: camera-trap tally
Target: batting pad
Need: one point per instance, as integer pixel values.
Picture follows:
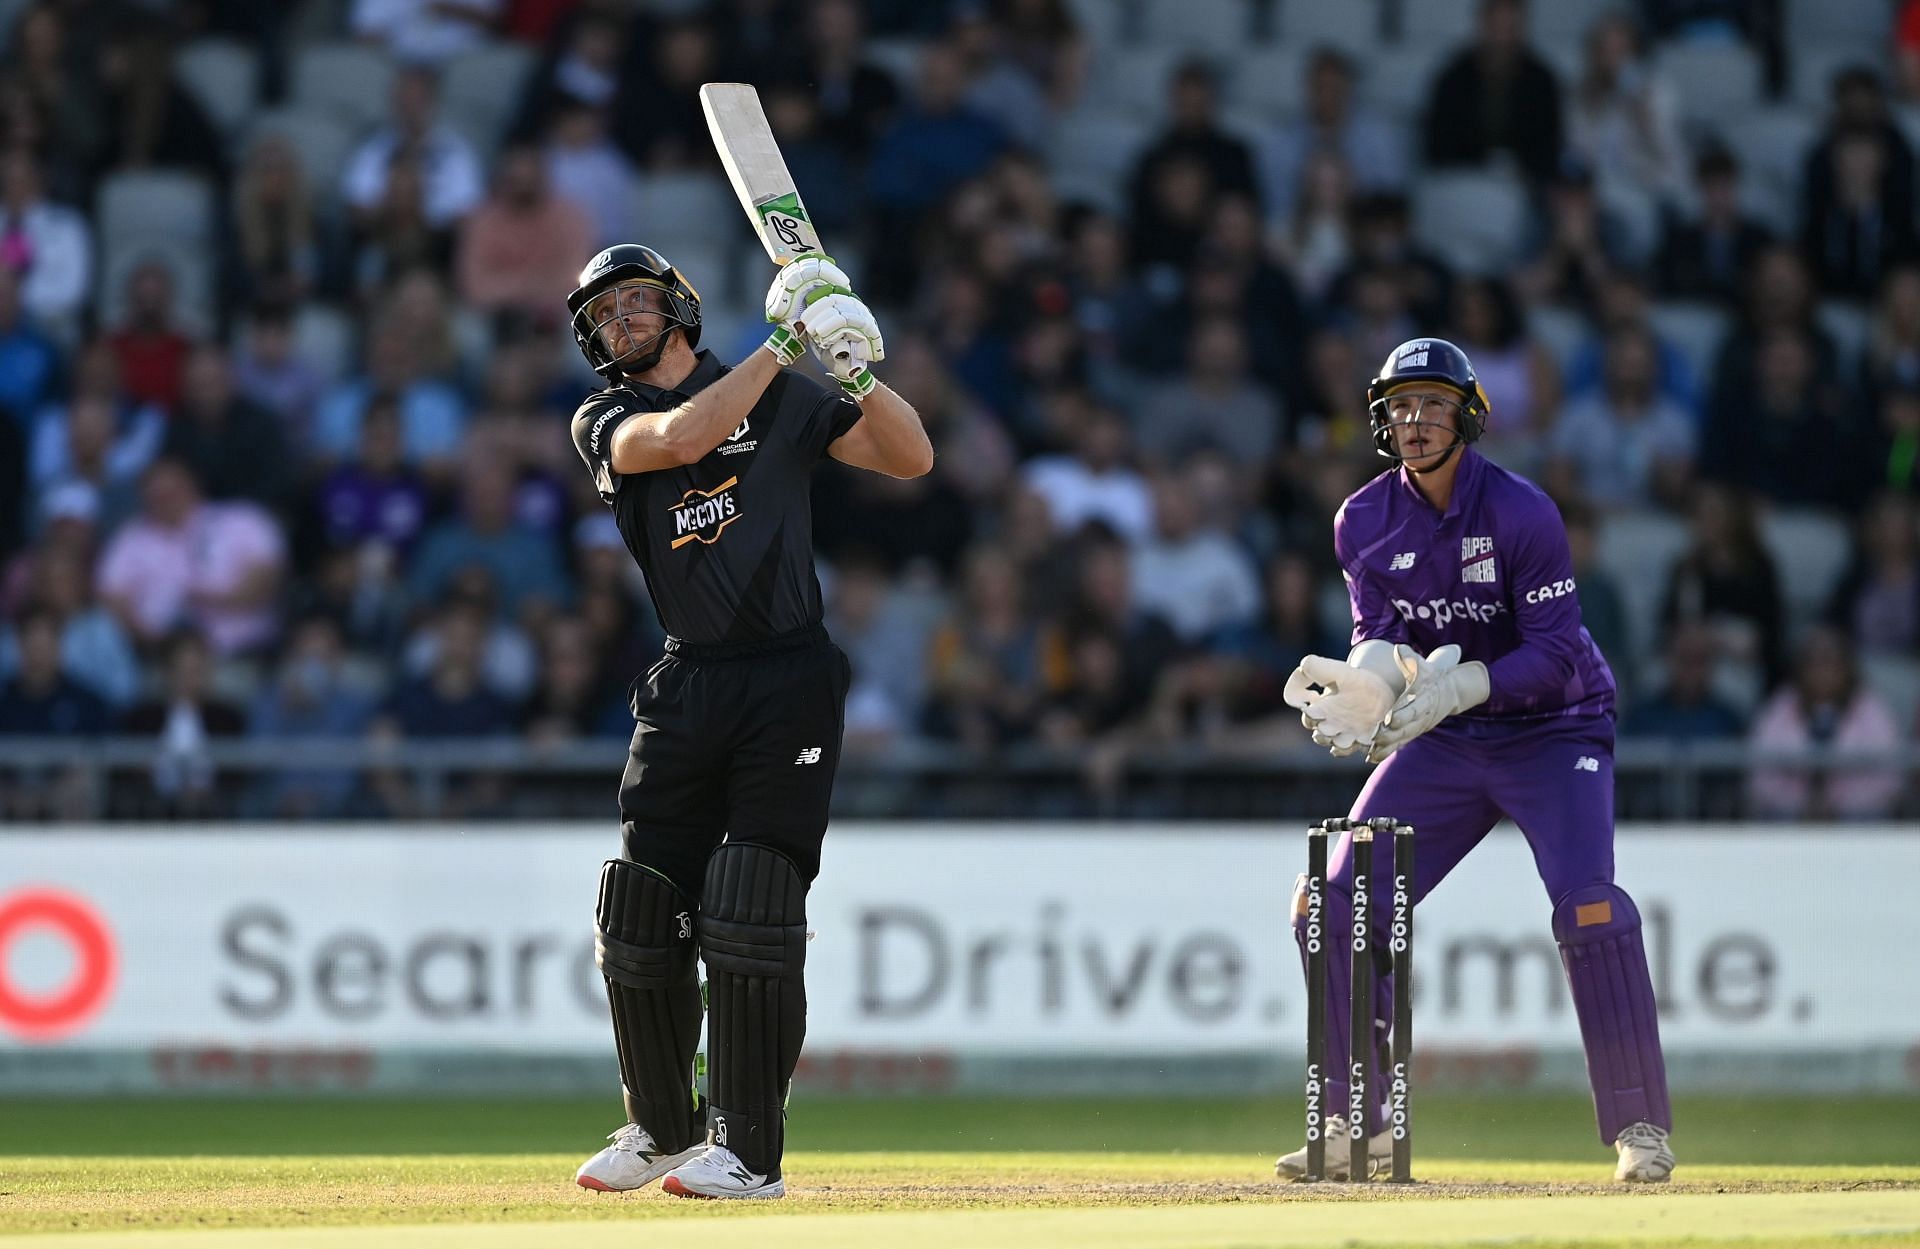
(1598, 929)
(753, 938)
(645, 948)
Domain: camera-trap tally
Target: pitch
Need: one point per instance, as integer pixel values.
(1062, 1174)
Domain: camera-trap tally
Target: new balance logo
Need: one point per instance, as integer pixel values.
(1401, 562)
(810, 755)
(745, 1176)
(1586, 763)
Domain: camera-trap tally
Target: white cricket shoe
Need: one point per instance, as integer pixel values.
(631, 1161)
(1645, 1156)
(1339, 1152)
(719, 1173)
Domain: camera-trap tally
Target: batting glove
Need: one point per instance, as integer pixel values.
(847, 340)
(795, 288)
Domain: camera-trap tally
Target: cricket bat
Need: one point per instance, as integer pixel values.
(757, 170)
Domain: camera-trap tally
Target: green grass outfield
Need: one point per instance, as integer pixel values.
(933, 1174)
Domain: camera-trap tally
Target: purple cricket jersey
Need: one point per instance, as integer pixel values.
(1492, 574)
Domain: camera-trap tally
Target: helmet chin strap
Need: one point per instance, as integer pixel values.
(1452, 448)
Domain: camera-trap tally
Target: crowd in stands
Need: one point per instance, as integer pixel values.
(286, 375)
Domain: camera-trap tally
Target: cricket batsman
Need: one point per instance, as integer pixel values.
(723, 804)
(1477, 694)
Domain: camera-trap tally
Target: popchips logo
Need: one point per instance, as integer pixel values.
(94, 964)
(1443, 612)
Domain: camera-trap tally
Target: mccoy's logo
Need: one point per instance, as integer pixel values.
(701, 515)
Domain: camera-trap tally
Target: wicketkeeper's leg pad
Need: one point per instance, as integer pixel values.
(753, 938)
(645, 948)
(1598, 929)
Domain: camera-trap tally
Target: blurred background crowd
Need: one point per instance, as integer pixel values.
(286, 377)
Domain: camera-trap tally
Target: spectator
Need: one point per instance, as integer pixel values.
(1858, 224)
(42, 699)
(81, 447)
(572, 698)
(1216, 403)
(395, 236)
(1709, 258)
(984, 661)
(268, 370)
(1245, 666)
(520, 250)
(1623, 304)
(235, 447)
(183, 721)
(663, 128)
(432, 414)
(1686, 708)
(1877, 603)
(1794, 438)
(1382, 241)
(1193, 159)
(153, 120)
(1042, 39)
(1779, 295)
(1488, 325)
(1580, 248)
(1370, 149)
(1103, 600)
(1314, 239)
(48, 246)
(183, 561)
(814, 158)
(1496, 98)
(587, 169)
(1626, 445)
(312, 694)
(1096, 481)
(523, 567)
(450, 701)
(1863, 164)
(91, 640)
(858, 100)
(58, 78)
(1892, 456)
(1190, 573)
(1825, 705)
(1727, 580)
(416, 140)
(1236, 275)
(998, 86)
(1623, 122)
(432, 31)
(273, 250)
(886, 643)
(29, 361)
(151, 347)
(1603, 611)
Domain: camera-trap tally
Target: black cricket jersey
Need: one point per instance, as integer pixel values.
(727, 542)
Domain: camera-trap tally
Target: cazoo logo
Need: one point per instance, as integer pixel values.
(1557, 589)
(1442, 612)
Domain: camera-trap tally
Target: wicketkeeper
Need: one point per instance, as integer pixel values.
(1476, 691)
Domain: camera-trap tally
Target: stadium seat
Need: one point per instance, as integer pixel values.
(1638, 549)
(1818, 58)
(322, 141)
(193, 279)
(1848, 324)
(1132, 82)
(681, 204)
(479, 90)
(155, 203)
(1865, 23)
(1269, 80)
(1217, 28)
(1565, 22)
(1696, 328)
(1714, 82)
(223, 76)
(1397, 80)
(350, 81)
(323, 336)
(1637, 211)
(1353, 25)
(1896, 678)
(1474, 220)
(1109, 24)
(1561, 331)
(1811, 549)
(1772, 144)
(1092, 154)
(1447, 23)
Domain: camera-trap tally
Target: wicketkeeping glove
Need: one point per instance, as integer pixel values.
(1351, 701)
(1438, 686)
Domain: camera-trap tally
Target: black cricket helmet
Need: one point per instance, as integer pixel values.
(619, 265)
(1427, 360)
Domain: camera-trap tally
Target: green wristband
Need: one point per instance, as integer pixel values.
(785, 345)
